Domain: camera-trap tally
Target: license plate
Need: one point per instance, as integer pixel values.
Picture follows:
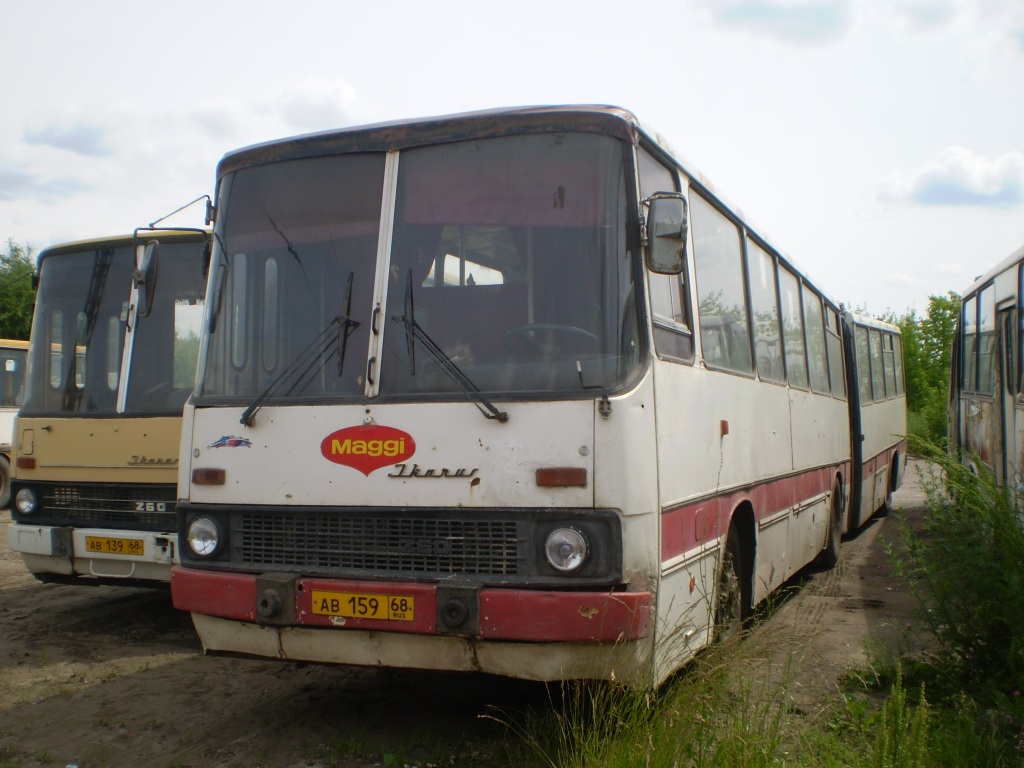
(353, 605)
(107, 545)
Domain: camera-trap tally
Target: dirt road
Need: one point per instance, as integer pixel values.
(113, 676)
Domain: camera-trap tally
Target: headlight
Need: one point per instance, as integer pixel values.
(204, 536)
(26, 501)
(566, 549)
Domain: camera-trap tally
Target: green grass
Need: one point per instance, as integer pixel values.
(960, 705)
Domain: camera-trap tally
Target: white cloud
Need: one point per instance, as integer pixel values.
(959, 177)
(81, 139)
(800, 22)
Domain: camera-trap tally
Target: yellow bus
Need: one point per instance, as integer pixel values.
(111, 362)
(12, 379)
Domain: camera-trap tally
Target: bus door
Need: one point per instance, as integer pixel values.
(1005, 462)
(1010, 406)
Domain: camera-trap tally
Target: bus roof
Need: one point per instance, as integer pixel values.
(115, 241)
(1002, 266)
(401, 134)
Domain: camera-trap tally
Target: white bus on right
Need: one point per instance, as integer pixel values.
(878, 414)
(986, 396)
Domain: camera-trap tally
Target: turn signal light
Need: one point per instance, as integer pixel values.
(562, 477)
(208, 476)
(26, 462)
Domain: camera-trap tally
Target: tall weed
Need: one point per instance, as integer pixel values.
(965, 565)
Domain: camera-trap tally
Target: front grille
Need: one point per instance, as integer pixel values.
(144, 507)
(396, 545)
(455, 545)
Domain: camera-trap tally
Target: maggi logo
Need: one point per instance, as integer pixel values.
(368, 447)
(389, 448)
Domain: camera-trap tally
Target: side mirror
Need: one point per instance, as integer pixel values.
(147, 258)
(666, 233)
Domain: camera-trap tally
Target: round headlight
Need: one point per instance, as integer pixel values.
(26, 501)
(566, 549)
(204, 536)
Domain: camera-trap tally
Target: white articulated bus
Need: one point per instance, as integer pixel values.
(511, 392)
(112, 358)
(13, 353)
(986, 404)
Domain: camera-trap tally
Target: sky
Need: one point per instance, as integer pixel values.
(877, 143)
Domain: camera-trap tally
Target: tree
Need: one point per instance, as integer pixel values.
(927, 350)
(17, 291)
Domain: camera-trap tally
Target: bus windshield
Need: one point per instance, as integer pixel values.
(81, 321)
(79, 304)
(507, 256)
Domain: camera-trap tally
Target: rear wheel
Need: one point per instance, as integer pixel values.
(5, 482)
(829, 555)
(732, 607)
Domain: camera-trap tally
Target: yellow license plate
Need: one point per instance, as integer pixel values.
(108, 545)
(353, 605)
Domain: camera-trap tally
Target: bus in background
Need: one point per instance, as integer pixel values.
(12, 382)
(986, 403)
(112, 359)
(511, 392)
(878, 414)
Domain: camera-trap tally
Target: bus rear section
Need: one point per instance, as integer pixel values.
(456, 410)
(986, 407)
(878, 414)
(13, 355)
(111, 363)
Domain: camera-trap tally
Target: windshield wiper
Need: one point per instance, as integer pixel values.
(72, 395)
(414, 332)
(316, 352)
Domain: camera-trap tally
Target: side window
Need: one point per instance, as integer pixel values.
(987, 341)
(764, 307)
(889, 365)
(970, 345)
(792, 328)
(834, 350)
(898, 363)
(718, 266)
(816, 356)
(673, 337)
(877, 376)
(863, 364)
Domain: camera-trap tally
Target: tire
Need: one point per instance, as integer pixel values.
(829, 556)
(732, 603)
(5, 482)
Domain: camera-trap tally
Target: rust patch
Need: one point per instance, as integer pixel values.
(588, 611)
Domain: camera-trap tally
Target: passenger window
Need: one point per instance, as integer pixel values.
(987, 341)
(863, 364)
(792, 328)
(673, 338)
(764, 305)
(970, 331)
(718, 266)
(877, 375)
(834, 345)
(816, 355)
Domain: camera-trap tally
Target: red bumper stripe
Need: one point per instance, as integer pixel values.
(504, 614)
